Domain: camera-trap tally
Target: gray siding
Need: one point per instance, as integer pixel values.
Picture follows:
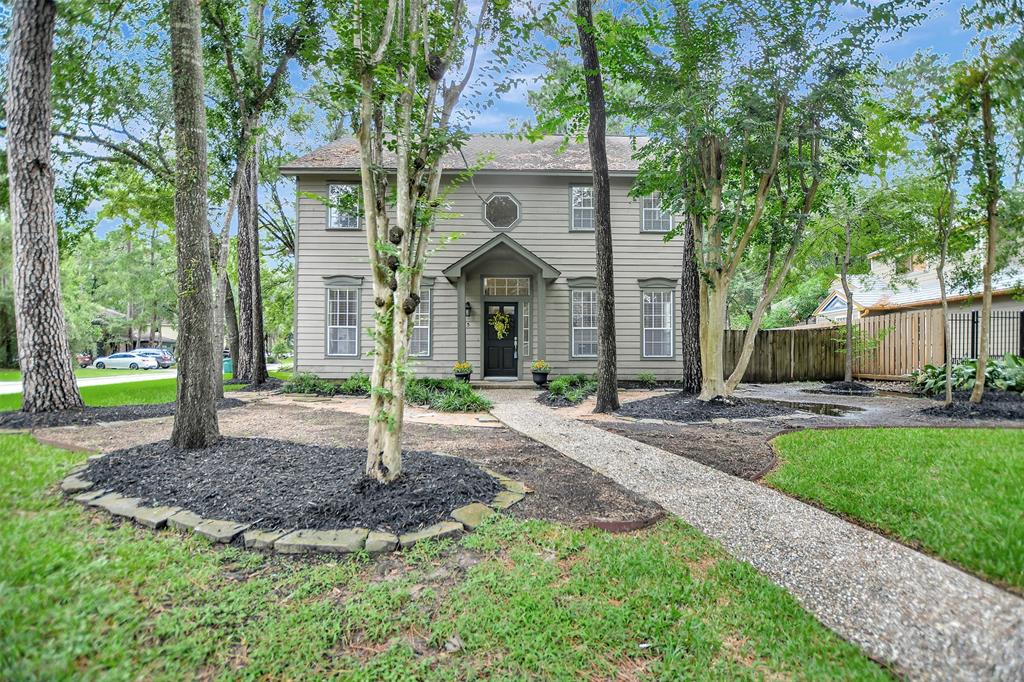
(543, 229)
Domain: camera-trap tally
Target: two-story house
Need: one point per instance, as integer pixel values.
(526, 249)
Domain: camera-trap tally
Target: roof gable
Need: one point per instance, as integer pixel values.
(454, 271)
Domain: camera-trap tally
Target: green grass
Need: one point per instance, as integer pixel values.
(131, 393)
(84, 597)
(15, 375)
(955, 493)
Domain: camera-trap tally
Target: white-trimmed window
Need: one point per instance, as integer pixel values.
(657, 323)
(419, 344)
(348, 197)
(343, 322)
(506, 286)
(581, 202)
(652, 218)
(524, 329)
(584, 323)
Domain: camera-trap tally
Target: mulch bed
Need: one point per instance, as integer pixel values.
(271, 384)
(95, 415)
(847, 388)
(994, 404)
(684, 407)
(546, 398)
(280, 485)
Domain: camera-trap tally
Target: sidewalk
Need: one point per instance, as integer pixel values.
(926, 619)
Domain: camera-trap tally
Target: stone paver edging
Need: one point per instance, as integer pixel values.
(288, 541)
(926, 619)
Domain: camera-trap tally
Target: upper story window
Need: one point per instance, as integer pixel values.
(581, 203)
(652, 218)
(343, 210)
(502, 210)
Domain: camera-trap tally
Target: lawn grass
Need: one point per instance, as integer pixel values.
(85, 597)
(81, 373)
(955, 493)
(130, 393)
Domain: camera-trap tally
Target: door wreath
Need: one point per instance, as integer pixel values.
(502, 324)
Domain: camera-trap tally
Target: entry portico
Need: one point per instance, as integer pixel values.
(502, 276)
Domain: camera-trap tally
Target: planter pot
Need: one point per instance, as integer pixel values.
(463, 377)
(540, 378)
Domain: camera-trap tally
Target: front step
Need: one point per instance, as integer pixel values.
(497, 383)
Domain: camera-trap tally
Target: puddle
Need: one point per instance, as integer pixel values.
(880, 393)
(827, 409)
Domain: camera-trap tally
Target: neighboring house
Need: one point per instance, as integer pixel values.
(876, 293)
(526, 250)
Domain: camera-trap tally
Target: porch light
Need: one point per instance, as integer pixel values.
(469, 309)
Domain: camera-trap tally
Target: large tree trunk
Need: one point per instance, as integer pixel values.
(607, 379)
(231, 320)
(195, 421)
(845, 277)
(689, 316)
(48, 377)
(992, 236)
(252, 361)
(713, 297)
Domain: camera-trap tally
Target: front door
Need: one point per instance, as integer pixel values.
(501, 340)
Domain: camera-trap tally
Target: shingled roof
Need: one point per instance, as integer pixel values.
(504, 153)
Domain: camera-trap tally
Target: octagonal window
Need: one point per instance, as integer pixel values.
(501, 210)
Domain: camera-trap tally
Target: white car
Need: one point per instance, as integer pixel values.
(126, 361)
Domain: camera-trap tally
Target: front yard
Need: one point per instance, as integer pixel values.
(83, 595)
(954, 493)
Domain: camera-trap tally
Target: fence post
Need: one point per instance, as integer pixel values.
(1020, 335)
(974, 333)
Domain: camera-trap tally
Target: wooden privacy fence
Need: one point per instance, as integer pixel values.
(787, 355)
(913, 340)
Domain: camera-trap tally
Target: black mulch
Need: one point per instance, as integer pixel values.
(271, 384)
(684, 407)
(282, 485)
(551, 400)
(847, 388)
(994, 405)
(95, 415)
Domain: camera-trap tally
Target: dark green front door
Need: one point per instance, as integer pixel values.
(501, 340)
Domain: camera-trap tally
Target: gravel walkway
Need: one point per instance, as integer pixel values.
(927, 620)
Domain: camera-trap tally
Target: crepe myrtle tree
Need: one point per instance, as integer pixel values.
(407, 65)
(753, 108)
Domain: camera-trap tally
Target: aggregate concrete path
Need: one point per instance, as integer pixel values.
(927, 620)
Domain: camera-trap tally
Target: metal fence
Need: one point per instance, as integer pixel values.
(1006, 335)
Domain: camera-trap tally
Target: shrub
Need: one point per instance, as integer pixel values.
(573, 387)
(1006, 374)
(311, 384)
(357, 384)
(540, 366)
(647, 379)
(446, 395)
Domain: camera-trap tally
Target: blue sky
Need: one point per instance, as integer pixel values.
(940, 33)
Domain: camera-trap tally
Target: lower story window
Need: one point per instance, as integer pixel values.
(343, 322)
(584, 323)
(524, 325)
(419, 344)
(657, 324)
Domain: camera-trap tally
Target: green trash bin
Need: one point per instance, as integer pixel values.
(228, 368)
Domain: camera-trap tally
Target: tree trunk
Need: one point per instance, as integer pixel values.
(221, 292)
(231, 320)
(845, 277)
(992, 222)
(713, 297)
(946, 350)
(252, 361)
(195, 421)
(48, 377)
(689, 316)
(607, 379)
